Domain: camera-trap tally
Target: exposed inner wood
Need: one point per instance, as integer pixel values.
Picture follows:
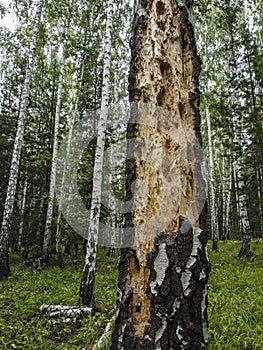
(164, 73)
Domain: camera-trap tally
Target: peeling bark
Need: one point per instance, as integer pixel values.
(162, 287)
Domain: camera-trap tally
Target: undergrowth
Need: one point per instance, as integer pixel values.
(236, 298)
(21, 325)
(235, 302)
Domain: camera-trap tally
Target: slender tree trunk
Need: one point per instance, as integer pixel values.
(23, 205)
(237, 141)
(162, 302)
(213, 204)
(47, 232)
(71, 127)
(88, 277)
(241, 196)
(240, 185)
(40, 226)
(228, 202)
(14, 169)
(112, 202)
(260, 198)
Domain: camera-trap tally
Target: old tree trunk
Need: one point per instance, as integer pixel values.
(162, 301)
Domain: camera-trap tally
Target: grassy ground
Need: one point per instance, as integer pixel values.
(235, 297)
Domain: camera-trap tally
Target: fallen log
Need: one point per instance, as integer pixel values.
(55, 312)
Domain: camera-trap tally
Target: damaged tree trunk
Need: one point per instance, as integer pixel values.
(162, 301)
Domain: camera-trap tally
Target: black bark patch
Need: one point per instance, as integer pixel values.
(245, 249)
(124, 329)
(176, 315)
(87, 287)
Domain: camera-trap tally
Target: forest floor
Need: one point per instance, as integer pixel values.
(235, 302)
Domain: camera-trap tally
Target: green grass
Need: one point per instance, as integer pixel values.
(236, 298)
(235, 302)
(21, 325)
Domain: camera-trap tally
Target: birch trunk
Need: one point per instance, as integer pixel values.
(241, 196)
(88, 277)
(228, 202)
(112, 202)
(260, 196)
(14, 169)
(40, 226)
(237, 141)
(162, 302)
(213, 204)
(47, 231)
(71, 126)
(23, 205)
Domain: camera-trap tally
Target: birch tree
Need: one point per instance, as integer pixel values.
(22, 212)
(14, 169)
(213, 204)
(47, 232)
(62, 190)
(88, 277)
(162, 287)
(238, 139)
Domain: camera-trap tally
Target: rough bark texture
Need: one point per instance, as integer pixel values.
(162, 284)
(14, 169)
(245, 249)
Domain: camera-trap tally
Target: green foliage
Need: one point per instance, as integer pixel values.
(235, 298)
(21, 325)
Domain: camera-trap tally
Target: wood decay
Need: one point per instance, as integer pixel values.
(162, 302)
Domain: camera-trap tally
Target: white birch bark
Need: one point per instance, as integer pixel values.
(228, 202)
(14, 169)
(212, 180)
(88, 277)
(47, 232)
(22, 211)
(71, 126)
(237, 141)
(213, 204)
(241, 197)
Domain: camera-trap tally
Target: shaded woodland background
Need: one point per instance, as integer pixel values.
(229, 36)
(69, 50)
